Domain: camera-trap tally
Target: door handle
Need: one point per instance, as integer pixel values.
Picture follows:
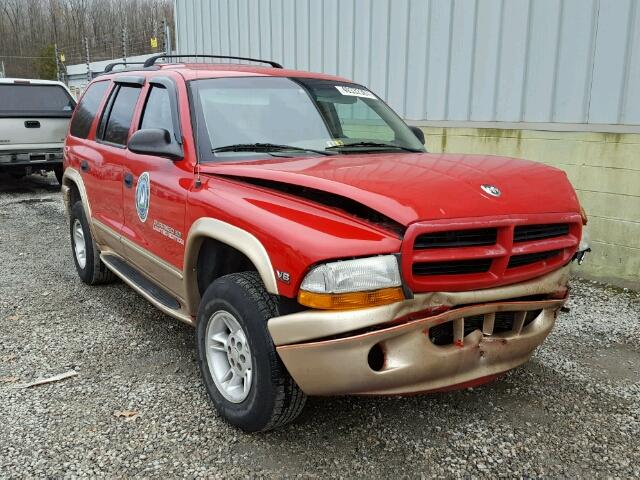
(128, 180)
(84, 166)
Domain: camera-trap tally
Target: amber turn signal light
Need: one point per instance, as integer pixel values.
(344, 301)
(583, 214)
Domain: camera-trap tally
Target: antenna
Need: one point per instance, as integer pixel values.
(198, 182)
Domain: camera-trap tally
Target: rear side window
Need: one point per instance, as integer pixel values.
(32, 100)
(157, 111)
(87, 109)
(120, 114)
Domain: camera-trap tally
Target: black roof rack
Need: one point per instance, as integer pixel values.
(152, 60)
(109, 67)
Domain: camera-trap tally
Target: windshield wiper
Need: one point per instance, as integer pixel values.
(265, 147)
(375, 145)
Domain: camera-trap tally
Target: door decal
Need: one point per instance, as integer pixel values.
(168, 231)
(142, 196)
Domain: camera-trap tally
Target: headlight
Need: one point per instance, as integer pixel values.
(363, 282)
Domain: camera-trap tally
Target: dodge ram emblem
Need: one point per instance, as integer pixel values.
(491, 190)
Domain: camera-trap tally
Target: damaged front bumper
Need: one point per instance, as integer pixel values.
(405, 348)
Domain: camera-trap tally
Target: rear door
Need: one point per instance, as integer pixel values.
(33, 116)
(80, 152)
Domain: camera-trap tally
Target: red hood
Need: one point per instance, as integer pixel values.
(410, 187)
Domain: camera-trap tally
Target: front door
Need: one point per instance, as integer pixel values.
(155, 192)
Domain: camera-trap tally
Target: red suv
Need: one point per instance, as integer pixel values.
(299, 224)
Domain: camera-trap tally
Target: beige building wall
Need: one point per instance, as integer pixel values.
(604, 168)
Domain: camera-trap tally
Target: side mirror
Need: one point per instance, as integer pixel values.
(417, 131)
(155, 141)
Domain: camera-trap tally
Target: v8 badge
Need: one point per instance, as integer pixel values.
(284, 276)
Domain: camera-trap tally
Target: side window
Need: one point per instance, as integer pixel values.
(119, 118)
(87, 109)
(105, 113)
(157, 111)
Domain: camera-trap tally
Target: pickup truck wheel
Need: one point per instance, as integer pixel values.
(86, 255)
(58, 171)
(245, 378)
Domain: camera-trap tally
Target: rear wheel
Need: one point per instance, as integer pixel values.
(245, 378)
(86, 255)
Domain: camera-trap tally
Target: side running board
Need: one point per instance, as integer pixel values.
(139, 282)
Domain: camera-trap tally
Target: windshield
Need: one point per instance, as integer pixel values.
(33, 100)
(254, 117)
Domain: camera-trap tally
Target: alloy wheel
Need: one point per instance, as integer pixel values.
(229, 356)
(79, 244)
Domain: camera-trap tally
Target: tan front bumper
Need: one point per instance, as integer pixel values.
(412, 363)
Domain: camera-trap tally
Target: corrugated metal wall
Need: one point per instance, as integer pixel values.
(567, 61)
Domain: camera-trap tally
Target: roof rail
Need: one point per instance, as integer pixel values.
(109, 67)
(152, 60)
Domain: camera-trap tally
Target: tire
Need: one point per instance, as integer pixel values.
(273, 398)
(91, 270)
(58, 172)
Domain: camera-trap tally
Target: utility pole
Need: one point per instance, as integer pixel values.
(124, 44)
(155, 31)
(55, 40)
(57, 54)
(86, 51)
(166, 38)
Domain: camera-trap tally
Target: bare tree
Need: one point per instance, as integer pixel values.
(30, 27)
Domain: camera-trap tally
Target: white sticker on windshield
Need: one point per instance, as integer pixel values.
(355, 92)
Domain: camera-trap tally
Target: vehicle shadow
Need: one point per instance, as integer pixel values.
(31, 184)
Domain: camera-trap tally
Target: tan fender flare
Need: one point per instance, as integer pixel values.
(235, 237)
(70, 179)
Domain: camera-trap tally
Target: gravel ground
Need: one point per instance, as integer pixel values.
(574, 410)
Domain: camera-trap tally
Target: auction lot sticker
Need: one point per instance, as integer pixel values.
(355, 92)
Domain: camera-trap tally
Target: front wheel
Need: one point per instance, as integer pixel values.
(245, 378)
